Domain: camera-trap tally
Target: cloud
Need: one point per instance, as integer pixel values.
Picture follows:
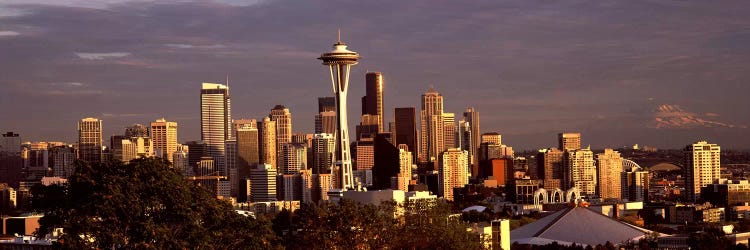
(674, 116)
(73, 92)
(191, 46)
(8, 33)
(101, 56)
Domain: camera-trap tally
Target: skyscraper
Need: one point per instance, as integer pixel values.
(569, 141)
(248, 153)
(635, 182)
(325, 122)
(406, 128)
(339, 61)
(230, 163)
(580, 171)
(702, 166)
(136, 130)
(372, 102)
(327, 103)
(471, 116)
(283, 119)
(267, 142)
(492, 137)
(324, 147)
(263, 183)
(90, 140)
(11, 143)
(164, 135)
(449, 130)
(464, 140)
(181, 160)
(432, 142)
(453, 172)
(550, 167)
(609, 167)
(293, 158)
(11, 162)
(62, 160)
(368, 127)
(216, 122)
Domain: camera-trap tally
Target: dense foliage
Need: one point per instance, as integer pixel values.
(351, 225)
(145, 205)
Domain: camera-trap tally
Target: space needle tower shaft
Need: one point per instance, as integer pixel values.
(339, 61)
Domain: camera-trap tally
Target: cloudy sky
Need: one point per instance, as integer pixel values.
(653, 72)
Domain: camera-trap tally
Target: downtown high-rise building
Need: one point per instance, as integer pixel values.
(136, 130)
(464, 138)
(293, 158)
(90, 140)
(453, 172)
(267, 153)
(449, 130)
(569, 141)
(63, 158)
(550, 168)
(164, 136)
(181, 161)
(634, 184)
(372, 102)
(609, 169)
(471, 117)
(262, 183)
(325, 122)
(702, 167)
(492, 138)
(432, 137)
(283, 119)
(324, 153)
(580, 171)
(248, 152)
(405, 128)
(216, 122)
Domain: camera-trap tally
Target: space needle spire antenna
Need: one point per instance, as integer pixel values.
(339, 62)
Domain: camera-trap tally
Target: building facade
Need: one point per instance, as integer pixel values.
(216, 122)
(702, 166)
(90, 140)
(453, 172)
(164, 136)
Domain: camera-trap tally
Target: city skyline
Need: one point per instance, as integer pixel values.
(618, 83)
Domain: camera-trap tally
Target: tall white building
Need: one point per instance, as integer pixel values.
(432, 142)
(580, 171)
(609, 168)
(702, 163)
(164, 136)
(449, 130)
(283, 119)
(90, 140)
(216, 122)
(267, 142)
(453, 172)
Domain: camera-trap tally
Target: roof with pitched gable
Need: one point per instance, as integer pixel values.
(578, 225)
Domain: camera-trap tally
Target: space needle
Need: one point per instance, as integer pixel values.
(339, 61)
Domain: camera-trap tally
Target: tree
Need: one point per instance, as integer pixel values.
(143, 204)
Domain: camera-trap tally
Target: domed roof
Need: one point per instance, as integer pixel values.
(664, 166)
